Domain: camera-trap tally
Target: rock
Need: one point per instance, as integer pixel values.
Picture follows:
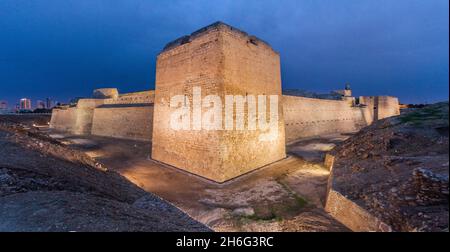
(246, 211)
(6, 179)
(384, 227)
(409, 198)
(212, 217)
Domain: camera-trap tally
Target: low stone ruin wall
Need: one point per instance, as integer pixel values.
(431, 188)
(348, 212)
(352, 215)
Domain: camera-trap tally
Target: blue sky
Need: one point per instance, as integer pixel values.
(63, 49)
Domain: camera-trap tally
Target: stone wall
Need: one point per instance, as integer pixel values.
(345, 210)
(304, 117)
(307, 117)
(143, 97)
(63, 119)
(381, 106)
(75, 119)
(431, 188)
(387, 106)
(251, 67)
(127, 116)
(84, 115)
(124, 121)
(222, 61)
(352, 215)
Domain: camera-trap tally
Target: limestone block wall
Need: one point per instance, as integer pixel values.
(352, 215)
(63, 119)
(124, 121)
(388, 106)
(347, 211)
(251, 67)
(381, 106)
(222, 61)
(123, 116)
(306, 117)
(84, 115)
(143, 97)
(76, 119)
(177, 70)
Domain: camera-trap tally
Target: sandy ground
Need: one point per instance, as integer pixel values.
(285, 196)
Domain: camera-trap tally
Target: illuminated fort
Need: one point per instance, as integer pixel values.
(221, 60)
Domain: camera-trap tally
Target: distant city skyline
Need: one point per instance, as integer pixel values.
(40, 104)
(3, 104)
(28, 104)
(65, 49)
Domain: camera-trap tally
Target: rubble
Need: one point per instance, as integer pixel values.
(403, 180)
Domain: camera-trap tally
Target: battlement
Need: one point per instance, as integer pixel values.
(143, 97)
(103, 93)
(215, 27)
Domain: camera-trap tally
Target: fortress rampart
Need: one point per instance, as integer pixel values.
(126, 116)
(381, 106)
(307, 117)
(131, 116)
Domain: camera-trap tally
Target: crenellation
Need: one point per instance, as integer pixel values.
(212, 29)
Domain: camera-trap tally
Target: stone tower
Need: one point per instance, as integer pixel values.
(220, 60)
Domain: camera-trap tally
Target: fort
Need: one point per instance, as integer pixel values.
(221, 60)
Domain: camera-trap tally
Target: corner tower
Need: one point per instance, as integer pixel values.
(222, 61)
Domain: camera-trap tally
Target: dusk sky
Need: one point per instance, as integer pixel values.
(63, 49)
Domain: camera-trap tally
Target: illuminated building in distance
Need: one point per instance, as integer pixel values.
(25, 104)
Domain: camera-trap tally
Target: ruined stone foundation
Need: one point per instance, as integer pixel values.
(220, 60)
